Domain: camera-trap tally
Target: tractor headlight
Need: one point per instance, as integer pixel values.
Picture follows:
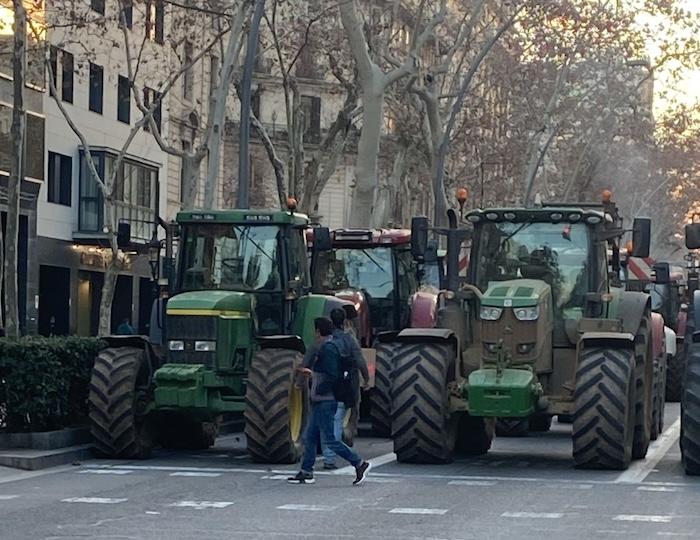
(205, 346)
(491, 347)
(489, 313)
(527, 313)
(176, 345)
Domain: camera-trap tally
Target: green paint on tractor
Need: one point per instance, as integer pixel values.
(514, 293)
(208, 301)
(502, 392)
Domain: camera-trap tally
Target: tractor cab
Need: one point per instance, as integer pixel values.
(369, 267)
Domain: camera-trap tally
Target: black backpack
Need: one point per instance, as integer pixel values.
(345, 388)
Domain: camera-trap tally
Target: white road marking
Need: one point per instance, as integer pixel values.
(533, 515)
(376, 462)
(104, 471)
(564, 485)
(33, 474)
(307, 507)
(470, 483)
(375, 480)
(8, 497)
(94, 500)
(201, 505)
(660, 488)
(639, 470)
(274, 477)
(664, 533)
(152, 513)
(643, 518)
(196, 474)
(421, 511)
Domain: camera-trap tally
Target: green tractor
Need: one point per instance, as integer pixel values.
(235, 331)
(540, 327)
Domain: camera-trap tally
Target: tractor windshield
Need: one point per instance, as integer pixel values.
(366, 270)
(230, 257)
(556, 253)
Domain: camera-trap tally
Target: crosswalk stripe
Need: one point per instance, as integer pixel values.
(422, 511)
(93, 500)
(200, 505)
(643, 518)
(307, 507)
(533, 515)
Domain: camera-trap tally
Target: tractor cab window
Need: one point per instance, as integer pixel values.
(298, 259)
(230, 257)
(555, 253)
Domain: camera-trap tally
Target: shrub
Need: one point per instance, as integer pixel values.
(44, 381)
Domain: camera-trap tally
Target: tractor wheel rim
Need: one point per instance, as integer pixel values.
(296, 413)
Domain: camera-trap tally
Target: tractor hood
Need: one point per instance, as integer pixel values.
(223, 303)
(514, 293)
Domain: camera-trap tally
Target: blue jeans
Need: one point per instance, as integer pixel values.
(321, 423)
(328, 454)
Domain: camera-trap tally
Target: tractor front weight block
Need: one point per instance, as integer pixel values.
(192, 386)
(502, 393)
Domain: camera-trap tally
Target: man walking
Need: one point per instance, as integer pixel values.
(324, 376)
(349, 348)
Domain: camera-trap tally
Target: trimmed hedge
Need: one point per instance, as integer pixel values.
(44, 381)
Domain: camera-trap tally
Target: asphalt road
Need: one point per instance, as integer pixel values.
(524, 488)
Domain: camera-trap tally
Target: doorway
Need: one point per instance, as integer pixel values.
(54, 300)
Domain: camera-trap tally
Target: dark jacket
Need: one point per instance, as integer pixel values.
(325, 371)
(348, 346)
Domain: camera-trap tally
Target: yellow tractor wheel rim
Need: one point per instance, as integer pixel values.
(296, 413)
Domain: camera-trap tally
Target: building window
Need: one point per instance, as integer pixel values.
(53, 60)
(66, 77)
(188, 78)
(96, 87)
(123, 100)
(98, 5)
(150, 96)
(155, 18)
(186, 147)
(60, 179)
(135, 195)
(128, 13)
(213, 75)
(311, 107)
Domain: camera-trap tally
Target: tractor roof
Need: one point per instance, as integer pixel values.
(240, 216)
(548, 214)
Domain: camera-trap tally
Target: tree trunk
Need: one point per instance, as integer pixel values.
(17, 131)
(368, 151)
(190, 165)
(107, 297)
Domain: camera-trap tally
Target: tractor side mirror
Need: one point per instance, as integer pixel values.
(692, 235)
(419, 236)
(662, 273)
(641, 237)
(322, 239)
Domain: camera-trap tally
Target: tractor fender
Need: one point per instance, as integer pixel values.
(386, 337)
(631, 309)
(670, 340)
(153, 358)
(423, 335)
(423, 309)
(294, 343)
(658, 336)
(614, 340)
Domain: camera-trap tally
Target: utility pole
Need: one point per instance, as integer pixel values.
(246, 83)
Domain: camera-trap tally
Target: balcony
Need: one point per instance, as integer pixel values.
(135, 197)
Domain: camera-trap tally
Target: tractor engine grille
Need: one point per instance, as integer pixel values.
(190, 329)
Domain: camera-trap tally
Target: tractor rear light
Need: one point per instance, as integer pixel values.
(510, 216)
(525, 348)
(176, 345)
(474, 218)
(527, 313)
(593, 220)
(491, 347)
(205, 346)
(488, 313)
(492, 216)
(556, 216)
(574, 217)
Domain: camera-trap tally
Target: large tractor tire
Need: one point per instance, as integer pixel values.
(644, 389)
(276, 410)
(603, 427)
(657, 418)
(380, 395)
(421, 425)
(690, 413)
(117, 398)
(674, 375)
(512, 427)
(475, 434)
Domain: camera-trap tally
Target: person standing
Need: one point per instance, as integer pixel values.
(349, 348)
(324, 375)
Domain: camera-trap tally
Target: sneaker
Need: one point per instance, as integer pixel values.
(330, 466)
(362, 470)
(301, 478)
